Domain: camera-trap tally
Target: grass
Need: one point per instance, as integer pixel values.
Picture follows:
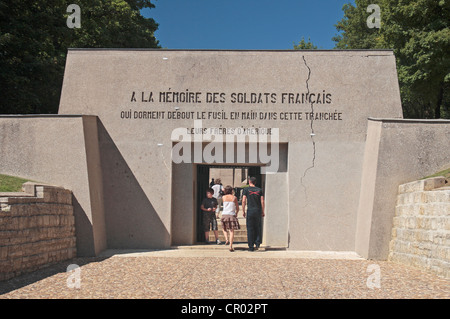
(445, 173)
(11, 183)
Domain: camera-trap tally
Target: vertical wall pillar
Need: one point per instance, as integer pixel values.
(276, 221)
(367, 194)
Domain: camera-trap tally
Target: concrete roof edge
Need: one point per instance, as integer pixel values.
(228, 50)
(402, 120)
(42, 115)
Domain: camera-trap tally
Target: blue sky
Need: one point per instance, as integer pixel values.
(245, 24)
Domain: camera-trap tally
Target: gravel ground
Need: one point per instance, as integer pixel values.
(219, 276)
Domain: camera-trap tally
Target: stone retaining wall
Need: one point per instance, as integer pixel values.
(37, 228)
(421, 232)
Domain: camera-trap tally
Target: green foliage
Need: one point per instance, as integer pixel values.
(418, 32)
(11, 183)
(355, 34)
(303, 45)
(34, 39)
(445, 173)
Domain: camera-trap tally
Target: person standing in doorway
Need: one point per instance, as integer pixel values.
(229, 215)
(208, 207)
(253, 197)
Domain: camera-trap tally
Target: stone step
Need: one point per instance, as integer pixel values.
(222, 237)
(236, 231)
(434, 196)
(422, 222)
(422, 185)
(238, 246)
(423, 209)
(237, 235)
(242, 222)
(240, 235)
(239, 232)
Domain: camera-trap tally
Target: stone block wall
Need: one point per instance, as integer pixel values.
(421, 232)
(37, 228)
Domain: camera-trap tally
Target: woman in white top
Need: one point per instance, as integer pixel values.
(229, 215)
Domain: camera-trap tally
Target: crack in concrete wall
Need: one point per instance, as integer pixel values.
(312, 134)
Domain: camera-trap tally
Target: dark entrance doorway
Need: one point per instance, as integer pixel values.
(202, 186)
(203, 183)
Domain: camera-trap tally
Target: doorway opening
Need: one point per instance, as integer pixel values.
(234, 175)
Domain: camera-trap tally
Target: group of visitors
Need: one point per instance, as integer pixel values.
(252, 200)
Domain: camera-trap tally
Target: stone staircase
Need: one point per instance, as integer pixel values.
(240, 235)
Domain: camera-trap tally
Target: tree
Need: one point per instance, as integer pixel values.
(303, 45)
(418, 32)
(34, 39)
(115, 24)
(420, 35)
(355, 32)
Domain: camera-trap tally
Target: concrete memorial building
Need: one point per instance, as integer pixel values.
(138, 131)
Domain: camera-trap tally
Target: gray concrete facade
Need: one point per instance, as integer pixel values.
(397, 152)
(140, 105)
(60, 150)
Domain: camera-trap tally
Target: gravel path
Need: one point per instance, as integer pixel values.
(240, 275)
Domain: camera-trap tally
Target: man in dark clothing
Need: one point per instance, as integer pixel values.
(254, 197)
(209, 205)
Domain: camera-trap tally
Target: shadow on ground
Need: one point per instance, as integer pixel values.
(29, 278)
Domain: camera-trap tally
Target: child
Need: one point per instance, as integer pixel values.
(209, 205)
